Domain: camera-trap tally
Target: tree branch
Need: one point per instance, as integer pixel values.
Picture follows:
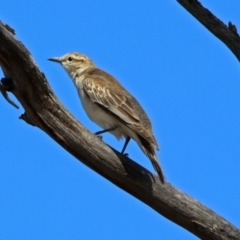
(227, 34)
(43, 110)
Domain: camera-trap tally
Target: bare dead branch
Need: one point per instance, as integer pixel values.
(42, 109)
(227, 34)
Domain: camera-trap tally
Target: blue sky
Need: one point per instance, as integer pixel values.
(186, 80)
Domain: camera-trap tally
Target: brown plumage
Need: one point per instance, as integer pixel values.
(108, 104)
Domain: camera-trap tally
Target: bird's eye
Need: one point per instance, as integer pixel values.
(70, 59)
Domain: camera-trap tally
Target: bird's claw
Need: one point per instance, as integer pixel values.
(99, 136)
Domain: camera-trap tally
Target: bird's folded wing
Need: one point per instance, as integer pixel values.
(103, 89)
(108, 96)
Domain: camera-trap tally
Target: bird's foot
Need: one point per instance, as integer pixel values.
(99, 136)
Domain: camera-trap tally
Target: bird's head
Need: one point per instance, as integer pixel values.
(73, 62)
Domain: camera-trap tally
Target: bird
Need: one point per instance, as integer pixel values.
(110, 105)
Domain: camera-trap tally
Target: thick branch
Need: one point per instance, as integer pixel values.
(227, 34)
(42, 109)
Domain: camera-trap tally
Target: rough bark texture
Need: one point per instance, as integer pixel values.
(227, 34)
(43, 110)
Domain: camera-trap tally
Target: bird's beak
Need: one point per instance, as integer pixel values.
(55, 59)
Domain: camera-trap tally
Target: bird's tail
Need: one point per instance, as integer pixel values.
(149, 150)
(156, 165)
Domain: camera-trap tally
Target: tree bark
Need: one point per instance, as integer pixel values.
(43, 110)
(227, 34)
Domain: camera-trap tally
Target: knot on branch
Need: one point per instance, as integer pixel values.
(11, 30)
(233, 28)
(7, 85)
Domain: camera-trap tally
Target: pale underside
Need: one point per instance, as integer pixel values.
(109, 105)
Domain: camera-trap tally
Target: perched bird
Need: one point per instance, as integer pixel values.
(110, 106)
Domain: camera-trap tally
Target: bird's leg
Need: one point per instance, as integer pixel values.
(103, 131)
(125, 145)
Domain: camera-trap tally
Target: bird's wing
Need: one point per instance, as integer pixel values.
(111, 96)
(105, 91)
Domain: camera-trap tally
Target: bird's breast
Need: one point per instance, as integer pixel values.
(102, 118)
(95, 113)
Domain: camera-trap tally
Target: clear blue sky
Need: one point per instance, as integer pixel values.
(187, 81)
